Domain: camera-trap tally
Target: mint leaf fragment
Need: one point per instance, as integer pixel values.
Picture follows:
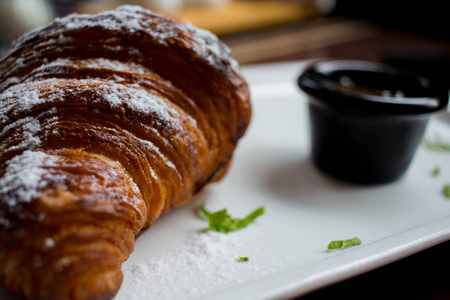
(446, 191)
(436, 145)
(242, 258)
(221, 221)
(436, 171)
(341, 244)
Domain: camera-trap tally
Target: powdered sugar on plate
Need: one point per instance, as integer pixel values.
(205, 263)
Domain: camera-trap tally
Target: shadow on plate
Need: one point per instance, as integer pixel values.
(293, 179)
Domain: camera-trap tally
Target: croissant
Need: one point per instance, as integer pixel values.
(106, 122)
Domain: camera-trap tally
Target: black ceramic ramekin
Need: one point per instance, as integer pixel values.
(367, 119)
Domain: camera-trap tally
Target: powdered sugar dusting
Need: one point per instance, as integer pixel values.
(24, 172)
(97, 63)
(22, 178)
(21, 97)
(122, 19)
(131, 20)
(26, 130)
(205, 263)
(49, 243)
(210, 47)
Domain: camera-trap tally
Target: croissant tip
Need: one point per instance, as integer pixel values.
(102, 285)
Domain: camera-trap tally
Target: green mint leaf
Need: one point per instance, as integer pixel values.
(221, 221)
(436, 171)
(344, 243)
(446, 191)
(437, 145)
(242, 258)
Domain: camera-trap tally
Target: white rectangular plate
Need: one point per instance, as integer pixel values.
(305, 210)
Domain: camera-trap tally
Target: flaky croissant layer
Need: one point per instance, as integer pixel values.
(106, 122)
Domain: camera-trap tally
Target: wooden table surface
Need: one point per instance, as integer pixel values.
(228, 18)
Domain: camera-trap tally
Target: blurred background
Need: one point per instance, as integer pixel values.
(409, 34)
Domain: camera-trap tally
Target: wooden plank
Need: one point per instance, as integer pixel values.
(238, 16)
(275, 44)
(230, 17)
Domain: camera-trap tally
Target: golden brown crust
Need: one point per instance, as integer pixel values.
(106, 122)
